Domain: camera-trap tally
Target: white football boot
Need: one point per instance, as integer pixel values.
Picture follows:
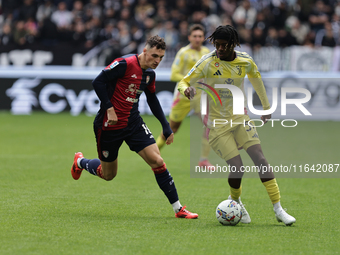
(284, 217)
(245, 215)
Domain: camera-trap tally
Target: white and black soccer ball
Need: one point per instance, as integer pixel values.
(228, 212)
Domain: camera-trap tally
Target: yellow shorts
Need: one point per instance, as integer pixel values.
(181, 106)
(226, 141)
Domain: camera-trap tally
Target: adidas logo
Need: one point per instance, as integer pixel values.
(218, 72)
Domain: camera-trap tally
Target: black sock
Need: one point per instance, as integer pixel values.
(90, 165)
(166, 183)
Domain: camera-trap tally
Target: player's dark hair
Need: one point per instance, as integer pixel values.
(228, 33)
(156, 41)
(196, 27)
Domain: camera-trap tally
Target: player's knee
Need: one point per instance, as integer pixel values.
(261, 160)
(109, 176)
(158, 161)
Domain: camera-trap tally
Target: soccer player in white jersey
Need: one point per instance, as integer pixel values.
(185, 59)
(227, 66)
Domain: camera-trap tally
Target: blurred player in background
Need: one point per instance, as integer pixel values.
(227, 66)
(184, 61)
(118, 88)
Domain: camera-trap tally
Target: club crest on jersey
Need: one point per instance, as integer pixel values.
(239, 69)
(113, 65)
(132, 89)
(147, 79)
(217, 64)
(105, 153)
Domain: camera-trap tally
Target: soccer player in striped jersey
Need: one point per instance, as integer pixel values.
(118, 88)
(185, 59)
(224, 65)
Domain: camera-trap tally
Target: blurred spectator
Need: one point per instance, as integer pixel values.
(143, 10)
(325, 37)
(6, 37)
(78, 10)
(183, 33)
(27, 10)
(19, 33)
(92, 34)
(298, 30)
(285, 38)
(318, 17)
(45, 10)
(162, 15)
(62, 17)
(228, 6)
(170, 35)
(310, 39)
(78, 36)
(245, 36)
(244, 15)
(95, 8)
(336, 27)
(209, 7)
(258, 37)
(272, 38)
(48, 32)
(32, 30)
(279, 14)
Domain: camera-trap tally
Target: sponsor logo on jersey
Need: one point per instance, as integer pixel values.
(239, 70)
(132, 100)
(217, 72)
(132, 89)
(113, 65)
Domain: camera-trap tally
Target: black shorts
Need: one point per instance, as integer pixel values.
(136, 137)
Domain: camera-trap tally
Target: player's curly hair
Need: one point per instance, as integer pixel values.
(228, 33)
(156, 41)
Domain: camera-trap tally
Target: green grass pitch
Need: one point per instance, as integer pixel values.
(44, 211)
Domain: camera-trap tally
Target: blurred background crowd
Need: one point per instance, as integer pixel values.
(124, 24)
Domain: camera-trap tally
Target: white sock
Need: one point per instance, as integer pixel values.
(78, 162)
(176, 206)
(277, 206)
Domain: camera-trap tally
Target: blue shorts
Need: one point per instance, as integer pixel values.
(137, 137)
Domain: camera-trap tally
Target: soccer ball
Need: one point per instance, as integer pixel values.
(228, 212)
